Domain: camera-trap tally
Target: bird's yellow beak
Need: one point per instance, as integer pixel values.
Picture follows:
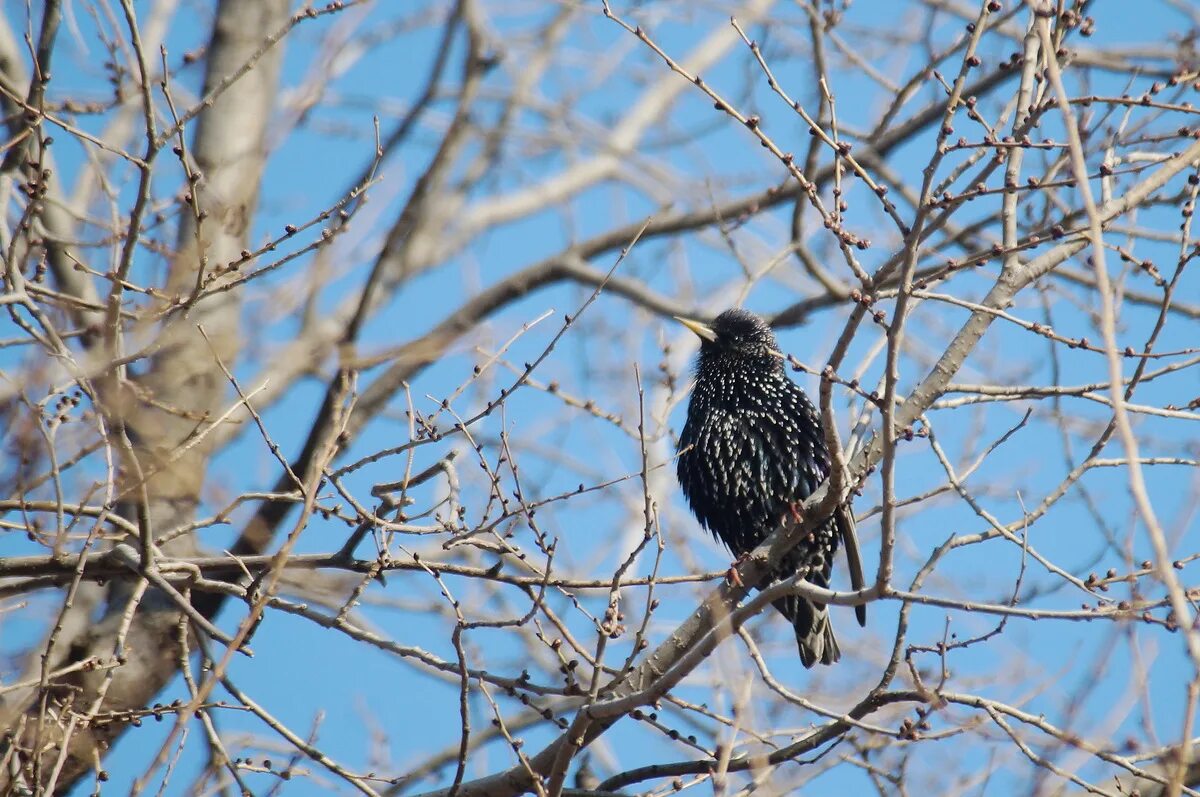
(702, 331)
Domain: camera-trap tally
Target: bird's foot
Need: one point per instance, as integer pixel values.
(731, 576)
(796, 508)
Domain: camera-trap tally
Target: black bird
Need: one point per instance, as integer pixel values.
(753, 449)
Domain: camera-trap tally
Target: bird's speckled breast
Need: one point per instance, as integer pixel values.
(751, 446)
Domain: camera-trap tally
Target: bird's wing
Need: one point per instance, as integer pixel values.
(844, 518)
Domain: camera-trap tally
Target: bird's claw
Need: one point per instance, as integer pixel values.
(796, 509)
(732, 576)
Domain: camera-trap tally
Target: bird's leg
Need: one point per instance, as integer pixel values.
(731, 575)
(796, 508)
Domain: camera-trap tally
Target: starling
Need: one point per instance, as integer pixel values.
(752, 450)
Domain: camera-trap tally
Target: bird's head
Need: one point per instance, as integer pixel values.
(737, 333)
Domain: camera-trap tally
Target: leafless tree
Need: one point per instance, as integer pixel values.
(425, 410)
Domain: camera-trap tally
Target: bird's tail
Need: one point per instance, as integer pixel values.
(814, 631)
